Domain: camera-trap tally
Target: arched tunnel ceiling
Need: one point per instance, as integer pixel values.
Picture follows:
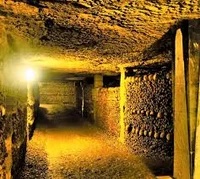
(89, 35)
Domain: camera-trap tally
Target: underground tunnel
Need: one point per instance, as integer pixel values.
(99, 89)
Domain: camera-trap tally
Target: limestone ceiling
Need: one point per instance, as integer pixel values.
(92, 35)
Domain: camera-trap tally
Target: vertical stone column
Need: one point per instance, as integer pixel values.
(82, 99)
(181, 140)
(6, 166)
(98, 83)
(30, 106)
(122, 105)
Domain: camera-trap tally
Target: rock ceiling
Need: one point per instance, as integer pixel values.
(91, 35)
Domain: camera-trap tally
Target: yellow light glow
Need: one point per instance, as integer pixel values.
(30, 74)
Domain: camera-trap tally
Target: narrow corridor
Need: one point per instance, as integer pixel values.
(66, 147)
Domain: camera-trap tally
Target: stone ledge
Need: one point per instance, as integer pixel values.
(163, 177)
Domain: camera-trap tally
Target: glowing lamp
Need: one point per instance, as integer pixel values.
(30, 75)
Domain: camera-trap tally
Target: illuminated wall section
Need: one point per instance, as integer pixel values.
(107, 107)
(13, 136)
(62, 93)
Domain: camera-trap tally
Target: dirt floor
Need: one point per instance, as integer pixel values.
(73, 149)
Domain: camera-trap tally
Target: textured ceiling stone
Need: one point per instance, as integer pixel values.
(93, 36)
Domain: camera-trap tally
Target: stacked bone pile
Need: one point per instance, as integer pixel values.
(148, 113)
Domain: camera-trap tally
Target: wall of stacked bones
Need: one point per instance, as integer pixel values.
(148, 113)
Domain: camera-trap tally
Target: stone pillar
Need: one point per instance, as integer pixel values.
(98, 83)
(82, 99)
(181, 139)
(122, 105)
(30, 106)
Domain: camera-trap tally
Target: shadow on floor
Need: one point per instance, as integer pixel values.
(53, 116)
(159, 166)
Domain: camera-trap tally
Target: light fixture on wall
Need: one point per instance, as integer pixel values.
(30, 74)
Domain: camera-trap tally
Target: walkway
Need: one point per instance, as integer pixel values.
(61, 149)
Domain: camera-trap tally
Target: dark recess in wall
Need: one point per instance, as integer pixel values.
(143, 70)
(89, 80)
(111, 81)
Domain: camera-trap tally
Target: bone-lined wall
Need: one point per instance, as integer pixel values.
(148, 113)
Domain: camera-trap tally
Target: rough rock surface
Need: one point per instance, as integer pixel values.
(108, 109)
(12, 126)
(92, 36)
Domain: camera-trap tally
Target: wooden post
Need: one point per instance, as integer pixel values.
(181, 140)
(195, 46)
(122, 105)
(197, 143)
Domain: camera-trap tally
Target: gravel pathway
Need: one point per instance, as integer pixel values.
(81, 151)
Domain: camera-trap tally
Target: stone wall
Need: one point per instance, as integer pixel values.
(12, 126)
(13, 107)
(148, 113)
(58, 93)
(107, 109)
(32, 106)
(104, 102)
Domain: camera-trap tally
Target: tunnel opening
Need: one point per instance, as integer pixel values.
(76, 95)
(61, 138)
(95, 100)
(61, 102)
(111, 81)
(112, 70)
(70, 100)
